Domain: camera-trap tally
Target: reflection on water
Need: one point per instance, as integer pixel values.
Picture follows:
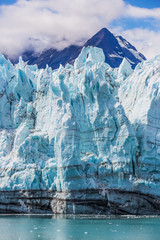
(48, 227)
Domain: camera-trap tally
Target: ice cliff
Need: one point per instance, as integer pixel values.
(80, 139)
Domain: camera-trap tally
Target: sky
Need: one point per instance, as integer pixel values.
(41, 24)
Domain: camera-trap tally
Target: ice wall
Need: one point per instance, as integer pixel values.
(140, 96)
(84, 133)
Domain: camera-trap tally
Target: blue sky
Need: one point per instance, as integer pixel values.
(50, 23)
(144, 3)
(7, 2)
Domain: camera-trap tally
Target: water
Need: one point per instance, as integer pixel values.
(89, 228)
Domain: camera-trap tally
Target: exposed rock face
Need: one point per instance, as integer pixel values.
(72, 141)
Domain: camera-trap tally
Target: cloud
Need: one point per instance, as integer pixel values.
(136, 12)
(42, 24)
(53, 23)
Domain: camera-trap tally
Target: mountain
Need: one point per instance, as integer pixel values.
(115, 48)
(80, 139)
(52, 57)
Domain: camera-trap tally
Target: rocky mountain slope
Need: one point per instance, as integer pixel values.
(115, 48)
(80, 139)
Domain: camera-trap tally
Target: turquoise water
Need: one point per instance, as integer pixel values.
(49, 227)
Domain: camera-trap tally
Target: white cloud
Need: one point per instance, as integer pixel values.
(59, 23)
(136, 12)
(56, 23)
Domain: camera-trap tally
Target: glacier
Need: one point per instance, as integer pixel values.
(84, 138)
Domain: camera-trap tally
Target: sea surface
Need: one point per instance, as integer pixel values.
(28, 227)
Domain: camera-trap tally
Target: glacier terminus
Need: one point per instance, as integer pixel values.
(84, 138)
